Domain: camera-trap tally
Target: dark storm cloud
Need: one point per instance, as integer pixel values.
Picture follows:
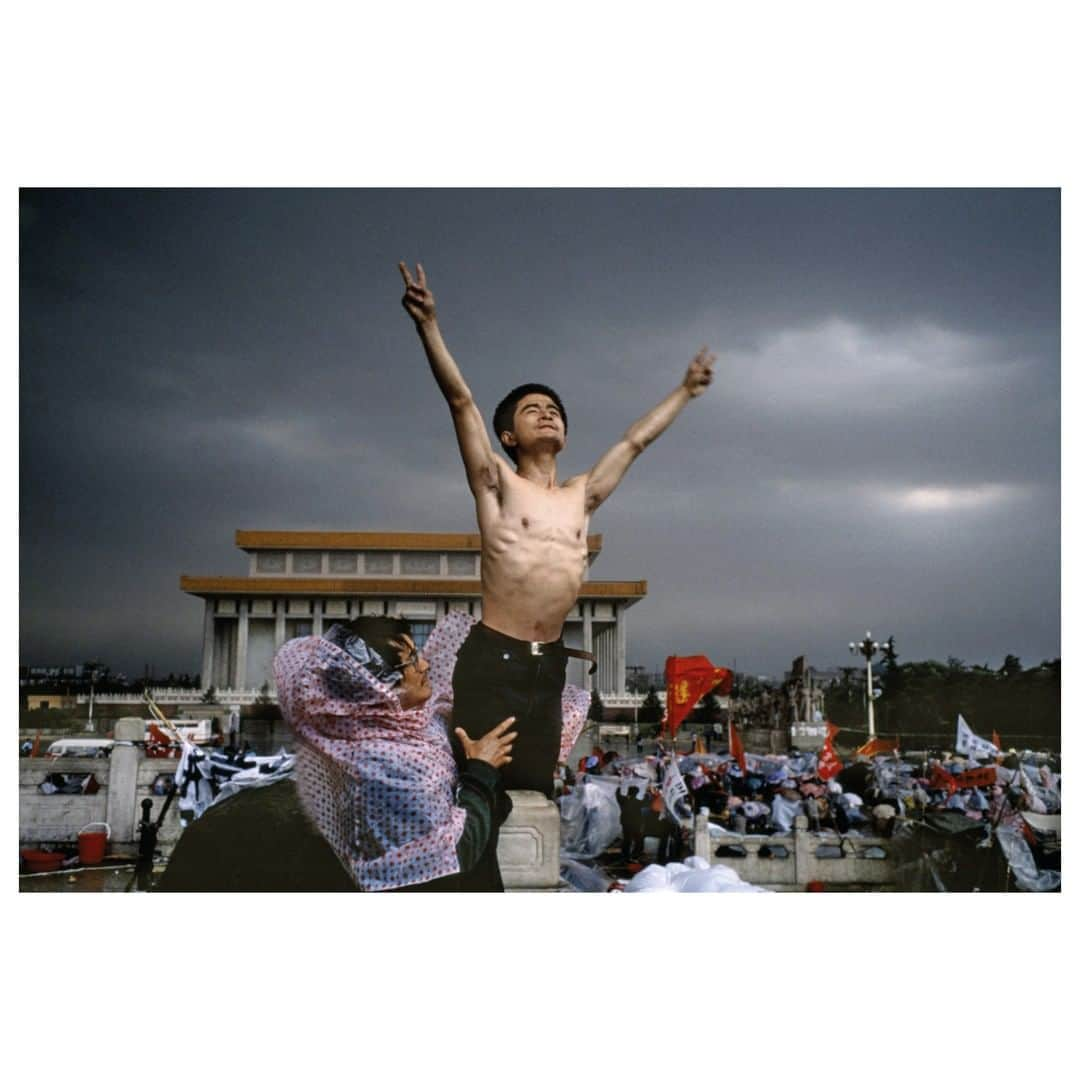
(880, 447)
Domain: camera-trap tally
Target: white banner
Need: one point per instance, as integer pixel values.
(969, 744)
(674, 792)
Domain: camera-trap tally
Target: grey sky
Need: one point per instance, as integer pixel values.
(880, 448)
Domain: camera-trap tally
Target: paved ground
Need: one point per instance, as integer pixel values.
(119, 878)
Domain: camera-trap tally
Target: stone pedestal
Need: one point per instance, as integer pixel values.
(120, 809)
(529, 844)
(702, 845)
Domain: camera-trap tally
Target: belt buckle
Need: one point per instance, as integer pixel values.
(536, 648)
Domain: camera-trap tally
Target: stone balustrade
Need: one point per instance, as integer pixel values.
(795, 861)
(124, 779)
(528, 841)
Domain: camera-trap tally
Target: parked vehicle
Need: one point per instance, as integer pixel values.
(80, 748)
(198, 730)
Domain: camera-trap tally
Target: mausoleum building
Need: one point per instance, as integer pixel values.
(301, 583)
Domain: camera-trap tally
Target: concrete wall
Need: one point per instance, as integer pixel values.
(58, 818)
(802, 864)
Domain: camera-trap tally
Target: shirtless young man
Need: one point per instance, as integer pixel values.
(533, 544)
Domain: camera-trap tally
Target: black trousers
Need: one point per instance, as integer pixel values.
(495, 677)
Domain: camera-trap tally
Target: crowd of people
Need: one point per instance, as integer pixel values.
(765, 794)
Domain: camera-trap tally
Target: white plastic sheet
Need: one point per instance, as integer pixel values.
(280, 766)
(590, 820)
(1022, 863)
(582, 878)
(654, 878)
(199, 795)
(692, 875)
(784, 813)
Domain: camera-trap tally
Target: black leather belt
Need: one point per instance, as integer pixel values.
(557, 648)
(533, 648)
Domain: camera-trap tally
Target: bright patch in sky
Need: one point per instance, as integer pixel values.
(837, 366)
(932, 500)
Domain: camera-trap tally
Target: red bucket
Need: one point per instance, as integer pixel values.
(40, 862)
(92, 841)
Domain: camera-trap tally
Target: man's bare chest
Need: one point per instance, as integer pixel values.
(545, 513)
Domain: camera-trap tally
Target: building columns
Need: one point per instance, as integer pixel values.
(586, 637)
(207, 679)
(620, 649)
(240, 680)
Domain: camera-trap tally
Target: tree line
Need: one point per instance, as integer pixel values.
(920, 701)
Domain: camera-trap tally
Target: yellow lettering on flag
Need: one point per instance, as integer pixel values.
(682, 692)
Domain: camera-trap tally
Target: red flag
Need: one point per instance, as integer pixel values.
(688, 679)
(735, 746)
(878, 745)
(829, 763)
(942, 779)
(995, 739)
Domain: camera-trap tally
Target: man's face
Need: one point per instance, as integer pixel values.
(538, 423)
(415, 688)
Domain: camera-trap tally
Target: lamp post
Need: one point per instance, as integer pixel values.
(867, 648)
(93, 679)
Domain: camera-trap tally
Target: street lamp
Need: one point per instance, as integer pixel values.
(93, 679)
(868, 647)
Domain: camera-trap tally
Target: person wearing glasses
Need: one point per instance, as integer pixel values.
(375, 766)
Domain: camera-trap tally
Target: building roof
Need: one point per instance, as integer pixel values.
(261, 540)
(397, 586)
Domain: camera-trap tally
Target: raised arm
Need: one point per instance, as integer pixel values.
(473, 442)
(605, 475)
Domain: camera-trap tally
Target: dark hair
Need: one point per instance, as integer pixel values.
(504, 412)
(378, 631)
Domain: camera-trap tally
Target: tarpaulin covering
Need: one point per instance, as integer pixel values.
(590, 818)
(581, 877)
(1029, 878)
(692, 875)
(947, 853)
